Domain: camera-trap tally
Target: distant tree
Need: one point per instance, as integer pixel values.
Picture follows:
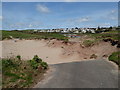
(110, 27)
(76, 27)
(15, 30)
(98, 28)
(66, 28)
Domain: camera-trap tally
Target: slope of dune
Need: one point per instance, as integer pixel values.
(54, 51)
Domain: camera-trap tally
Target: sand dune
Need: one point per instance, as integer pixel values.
(53, 51)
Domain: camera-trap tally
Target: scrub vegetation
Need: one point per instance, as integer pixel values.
(17, 73)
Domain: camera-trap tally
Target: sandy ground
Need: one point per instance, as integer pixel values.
(53, 51)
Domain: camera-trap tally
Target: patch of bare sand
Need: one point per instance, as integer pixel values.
(102, 50)
(54, 51)
(28, 48)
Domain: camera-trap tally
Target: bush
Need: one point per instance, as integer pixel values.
(36, 62)
(44, 65)
(37, 59)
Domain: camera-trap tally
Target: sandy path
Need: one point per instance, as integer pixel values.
(53, 52)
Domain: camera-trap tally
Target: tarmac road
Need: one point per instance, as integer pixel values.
(84, 74)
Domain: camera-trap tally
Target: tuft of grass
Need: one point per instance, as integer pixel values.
(115, 58)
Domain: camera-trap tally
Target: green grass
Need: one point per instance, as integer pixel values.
(15, 34)
(21, 74)
(106, 35)
(97, 37)
(113, 31)
(31, 35)
(115, 57)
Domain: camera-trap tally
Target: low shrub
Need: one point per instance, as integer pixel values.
(44, 65)
(36, 62)
(37, 59)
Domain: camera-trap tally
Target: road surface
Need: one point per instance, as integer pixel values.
(84, 74)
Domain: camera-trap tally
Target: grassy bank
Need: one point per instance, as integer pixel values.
(114, 35)
(97, 37)
(115, 57)
(31, 35)
(105, 36)
(22, 74)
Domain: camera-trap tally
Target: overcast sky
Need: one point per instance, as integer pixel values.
(24, 15)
